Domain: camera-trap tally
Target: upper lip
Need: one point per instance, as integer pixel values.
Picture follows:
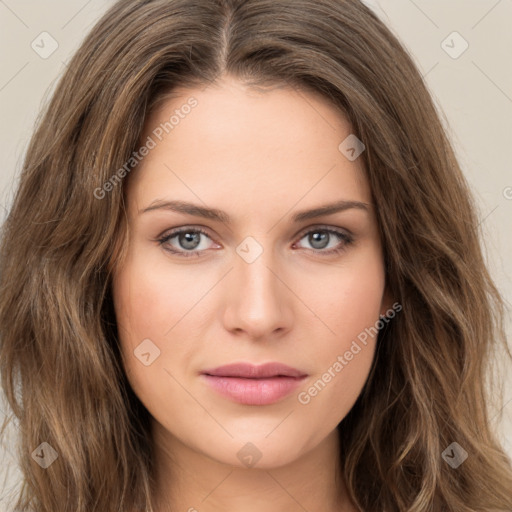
(251, 371)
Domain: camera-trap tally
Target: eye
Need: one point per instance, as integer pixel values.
(327, 241)
(188, 242)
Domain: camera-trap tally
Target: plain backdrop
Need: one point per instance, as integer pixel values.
(462, 47)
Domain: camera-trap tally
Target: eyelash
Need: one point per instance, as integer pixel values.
(345, 237)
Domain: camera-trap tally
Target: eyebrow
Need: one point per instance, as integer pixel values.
(221, 216)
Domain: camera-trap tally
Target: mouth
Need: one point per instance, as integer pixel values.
(249, 384)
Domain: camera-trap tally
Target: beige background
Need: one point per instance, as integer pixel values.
(473, 93)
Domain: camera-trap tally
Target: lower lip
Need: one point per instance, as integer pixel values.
(254, 391)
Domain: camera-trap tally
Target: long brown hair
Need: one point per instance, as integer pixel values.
(430, 382)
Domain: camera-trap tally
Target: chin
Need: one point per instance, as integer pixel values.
(259, 452)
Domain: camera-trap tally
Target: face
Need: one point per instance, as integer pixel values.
(233, 259)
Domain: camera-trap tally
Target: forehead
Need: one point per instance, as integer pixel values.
(277, 143)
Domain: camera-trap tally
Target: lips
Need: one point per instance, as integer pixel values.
(249, 384)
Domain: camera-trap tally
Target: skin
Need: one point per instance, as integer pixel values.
(260, 156)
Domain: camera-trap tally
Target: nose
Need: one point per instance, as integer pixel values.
(258, 301)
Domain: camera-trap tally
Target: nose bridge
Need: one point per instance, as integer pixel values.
(253, 270)
(257, 297)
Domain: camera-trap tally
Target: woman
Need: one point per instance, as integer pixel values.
(238, 273)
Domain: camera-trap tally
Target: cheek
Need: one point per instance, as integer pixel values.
(329, 396)
(348, 297)
(151, 303)
(349, 306)
(342, 368)
(151, 297)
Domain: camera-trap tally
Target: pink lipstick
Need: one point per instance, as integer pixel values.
(249, 384)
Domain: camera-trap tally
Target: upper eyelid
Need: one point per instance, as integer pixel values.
(323, 227)
(204, 230)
